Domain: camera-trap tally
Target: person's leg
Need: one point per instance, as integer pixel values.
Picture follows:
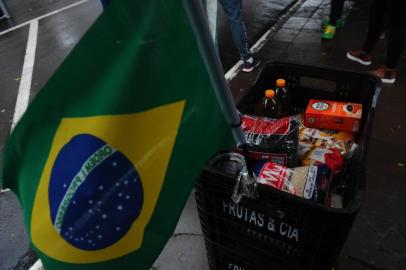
(335, 14)
(232, 8)
(396, 33)
(336, 11)
(376, 24)
(396, 36)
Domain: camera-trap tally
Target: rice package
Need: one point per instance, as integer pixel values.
(309, 182)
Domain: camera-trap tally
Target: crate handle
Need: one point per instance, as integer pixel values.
(318, 84)
(237, 196)
(245, 185)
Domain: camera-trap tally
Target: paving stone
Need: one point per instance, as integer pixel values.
(285, 35)
(392, 126)
(189, 220)
(321, 13)
(305, 12)
(304, 53)
(13, 236)
(312, 24)
(274, 51)
(394, 242)
(377, 222)
(312, 3)
(309, 37)
(401, 264)
(376, 260)
(402, 229)
(348, 263)
(362, 242)
(183, 252)
(382, 260)
(295, 22)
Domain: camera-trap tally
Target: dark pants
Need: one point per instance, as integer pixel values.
(336, 10)
(389, 13)
(233, 8)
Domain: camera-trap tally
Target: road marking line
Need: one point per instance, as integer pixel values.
(43, 16)
(263, 39)
(211, 11)
(26, 77)
(23, 95)
(36, 266)
(25, 88)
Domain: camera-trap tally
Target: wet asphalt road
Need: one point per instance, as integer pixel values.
(57, 34)
(56, 37)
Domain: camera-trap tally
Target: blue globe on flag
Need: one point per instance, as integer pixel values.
(95, 193)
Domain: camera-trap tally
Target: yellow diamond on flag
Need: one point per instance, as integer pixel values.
(101, 182)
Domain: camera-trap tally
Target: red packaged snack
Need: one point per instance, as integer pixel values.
(318, 155)
(325, 147)
(273, 139)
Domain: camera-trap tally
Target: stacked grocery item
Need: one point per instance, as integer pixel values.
(301, 154)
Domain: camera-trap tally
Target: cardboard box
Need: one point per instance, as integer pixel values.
(334, 115)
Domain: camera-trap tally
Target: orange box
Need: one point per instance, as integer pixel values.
(334, 115)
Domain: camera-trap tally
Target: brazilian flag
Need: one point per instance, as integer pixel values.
(108, 151)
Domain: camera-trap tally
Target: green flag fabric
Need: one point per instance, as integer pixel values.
(108, 151)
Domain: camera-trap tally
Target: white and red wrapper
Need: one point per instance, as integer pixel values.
(309, 182)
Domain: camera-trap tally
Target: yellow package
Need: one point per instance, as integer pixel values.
(342, 140)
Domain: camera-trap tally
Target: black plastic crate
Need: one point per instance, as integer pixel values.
(280, 231)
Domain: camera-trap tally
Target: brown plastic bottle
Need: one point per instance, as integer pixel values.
(269, 105)
(283, 96)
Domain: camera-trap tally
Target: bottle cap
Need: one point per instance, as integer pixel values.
(280, 83)
(269, 93)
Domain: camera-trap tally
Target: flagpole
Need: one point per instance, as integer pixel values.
(195, 12)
